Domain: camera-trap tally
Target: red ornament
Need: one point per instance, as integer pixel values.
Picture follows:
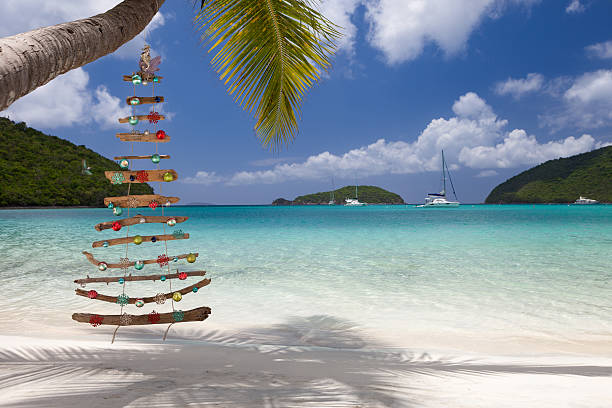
(96, 320)
(182, 275)
(116, 226)
(162, 260)
(92, 294)
(153, 117)
(142, 176)
(160, 134)
(154, 317)
(153, 204)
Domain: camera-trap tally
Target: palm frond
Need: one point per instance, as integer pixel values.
(269, 52)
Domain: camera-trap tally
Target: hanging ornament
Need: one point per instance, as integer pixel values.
(105, 244)
(191, 258)
(116, 226)
(153, 239)
(92, 294)
(163, 278)
(117, 211)
(160, 298)
(146, 133)
(162, 260)
(134, 101)
(96, 320)
(138, 240)
(125, 319)
(124, 164)
(124, 263)
(132, 177)
(123, 299)
(156, 79)
(121, 281)
(133, 120)
(132, 202)
(139, 303)
(139, 265)
(195, 289)
(175, 259)
(102, 266)
(171, 222)
(176, 296)
(142, 176)
(153, 117)
(160, 134)
(153, 204)
(136, 79)
(155, 158)
(178, 316)
(145, 83)
(154, 317)
(168, 177)
(110, 205)
(167, 203)
(118, 178)
(182, 275)
(142, 220)
(157, 99)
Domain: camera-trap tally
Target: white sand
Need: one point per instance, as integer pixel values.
(272, 368)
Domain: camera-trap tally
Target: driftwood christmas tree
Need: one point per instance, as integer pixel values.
(127, 204)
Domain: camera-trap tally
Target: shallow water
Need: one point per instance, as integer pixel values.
(475, 277)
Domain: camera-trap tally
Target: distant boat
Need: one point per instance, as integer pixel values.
(584, 200)
(439, 199)
(354, 202)
(332, 200)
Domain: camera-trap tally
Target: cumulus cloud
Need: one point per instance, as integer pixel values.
(474, 138)
(487, 173)
(574, 7)
(19, 16)
(203, 177)
(66, 101)
(340, 13)
(586, 104)
(601, 50)
(519, 87)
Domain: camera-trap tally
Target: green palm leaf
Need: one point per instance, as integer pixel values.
(269, 53)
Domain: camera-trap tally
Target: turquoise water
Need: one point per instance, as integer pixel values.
(476, 277)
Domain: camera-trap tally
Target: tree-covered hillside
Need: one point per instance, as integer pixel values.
(560, 181)
(42, 170)
(367, 194)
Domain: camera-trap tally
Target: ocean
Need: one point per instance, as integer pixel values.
(503, 278)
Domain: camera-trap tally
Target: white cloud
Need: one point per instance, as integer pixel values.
(340, 13)
(475, 138)
(487, 173)
(601, 50)
(574, 7)
(19, 16)
(519, 87)
(66, 101)
(586, 104)
(203, 177)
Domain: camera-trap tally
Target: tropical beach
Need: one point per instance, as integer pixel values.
(305, 203)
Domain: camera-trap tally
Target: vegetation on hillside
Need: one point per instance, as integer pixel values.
(560, 181)
(367, 194)
(42, 170)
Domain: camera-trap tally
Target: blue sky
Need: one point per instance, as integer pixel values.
(501, 85)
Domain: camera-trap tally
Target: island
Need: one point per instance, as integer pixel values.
(44, 171)
(367, 194)
(560, 181)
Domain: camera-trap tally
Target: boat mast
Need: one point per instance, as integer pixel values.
(333, 190)
(443, 175)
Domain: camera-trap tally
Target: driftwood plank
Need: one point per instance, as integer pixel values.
(161, 156)
(94, 261)
(197, 314)
(142, 137)
(139, 219)
(140, 118)
(143, 200)
(130, 278)
(144, 100)
(128, 78)
(151, 175)
(148, 299)
(145, 238)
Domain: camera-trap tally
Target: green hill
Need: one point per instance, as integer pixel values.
(367, 194)
(560, 181)
(42, 170)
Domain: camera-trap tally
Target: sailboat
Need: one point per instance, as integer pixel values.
(439, 199)
(332, 200)
(354, 202)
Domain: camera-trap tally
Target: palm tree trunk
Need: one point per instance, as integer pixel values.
(32, 59)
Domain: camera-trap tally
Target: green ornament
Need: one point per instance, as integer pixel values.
(156, 79)
(110, 205)
(136, 79)
(168, 176)
(124, 164)
(123, 299)
(155, 158)
(133, 120)
(139, 265)
(134, 101)
(117, 211)
(138, 240)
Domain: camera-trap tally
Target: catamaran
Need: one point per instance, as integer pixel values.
(584, 200)
(354, 202)
(439, 199)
